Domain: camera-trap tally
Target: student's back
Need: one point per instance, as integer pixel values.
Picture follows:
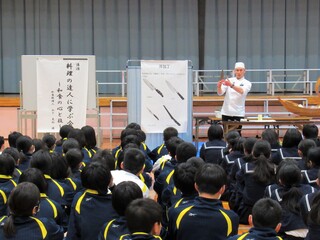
(93, 207)
(21, 224)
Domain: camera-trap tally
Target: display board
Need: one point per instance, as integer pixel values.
(29, 78)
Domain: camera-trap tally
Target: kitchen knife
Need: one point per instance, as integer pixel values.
(172, 88)
(153, 113)
(152, 87)
(171, 116)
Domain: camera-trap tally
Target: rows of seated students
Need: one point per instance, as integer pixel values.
(70, 189)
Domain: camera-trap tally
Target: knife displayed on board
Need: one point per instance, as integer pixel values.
(173, 89)
(150, 85)
(171, 116)
(152, 113)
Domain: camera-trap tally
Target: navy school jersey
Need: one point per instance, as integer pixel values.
(51, 209)
(59, 191)
(141, 236)
(204, 219)
(34, 228)
(285, 153)
(114, 229)
(89, 211)
(257, 233)
(212, 151)
(158, 152)
(310, 177)
(7, 183)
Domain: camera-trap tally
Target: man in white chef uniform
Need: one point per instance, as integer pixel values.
(235, 90)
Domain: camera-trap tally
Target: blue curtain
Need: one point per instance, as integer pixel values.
(262, 33)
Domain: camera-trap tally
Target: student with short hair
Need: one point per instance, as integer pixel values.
(144, 219)
(92, 207)
(212, 150)
(131, 167)
(50, 142)
(48, 208)
(205, 218)
(21, 223)
(162, 150)
(105, 157)
(63, 132)
(311, 131)
(13, 137)
(123, 194)
(74, 157)
(68, 144)
(265, 218)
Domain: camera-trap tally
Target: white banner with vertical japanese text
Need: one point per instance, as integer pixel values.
(62, 91)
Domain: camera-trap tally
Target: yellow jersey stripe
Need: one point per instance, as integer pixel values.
(178, 203)
(56, 183)
(107, 229)
(183, 212)
(89, 153)
(54, 208)
(42, 227)
(4, 196)
(169, 177)
(74, 186)
(160, 148)
(229, 223)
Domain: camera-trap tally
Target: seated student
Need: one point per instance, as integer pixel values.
(50, 142)
(265, 218)
(92, 207)
(12, 138)
(7, 183)
(303, 149)
(253, 178)
(63, 132)
(145, 177)
(143, 219)
(91, 141)
(74, 157)
(60, 172)
(38, 144)
(78, 135)
(70, 144)
(42, 160)
(48, 208)
(13, 152)
(26, 148)
(289, 149)
(131, 167)
(205, 218)
(184, 151)
(212, 151)
(247, 149)
(311, 131)
(143, 146)
(124, 193)
(288, 194)
(182, 191)
(124, 133)
(106, 158)
(230, 136)
(272, 137)
(310, 176)
(21, 223)
(162, 150)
